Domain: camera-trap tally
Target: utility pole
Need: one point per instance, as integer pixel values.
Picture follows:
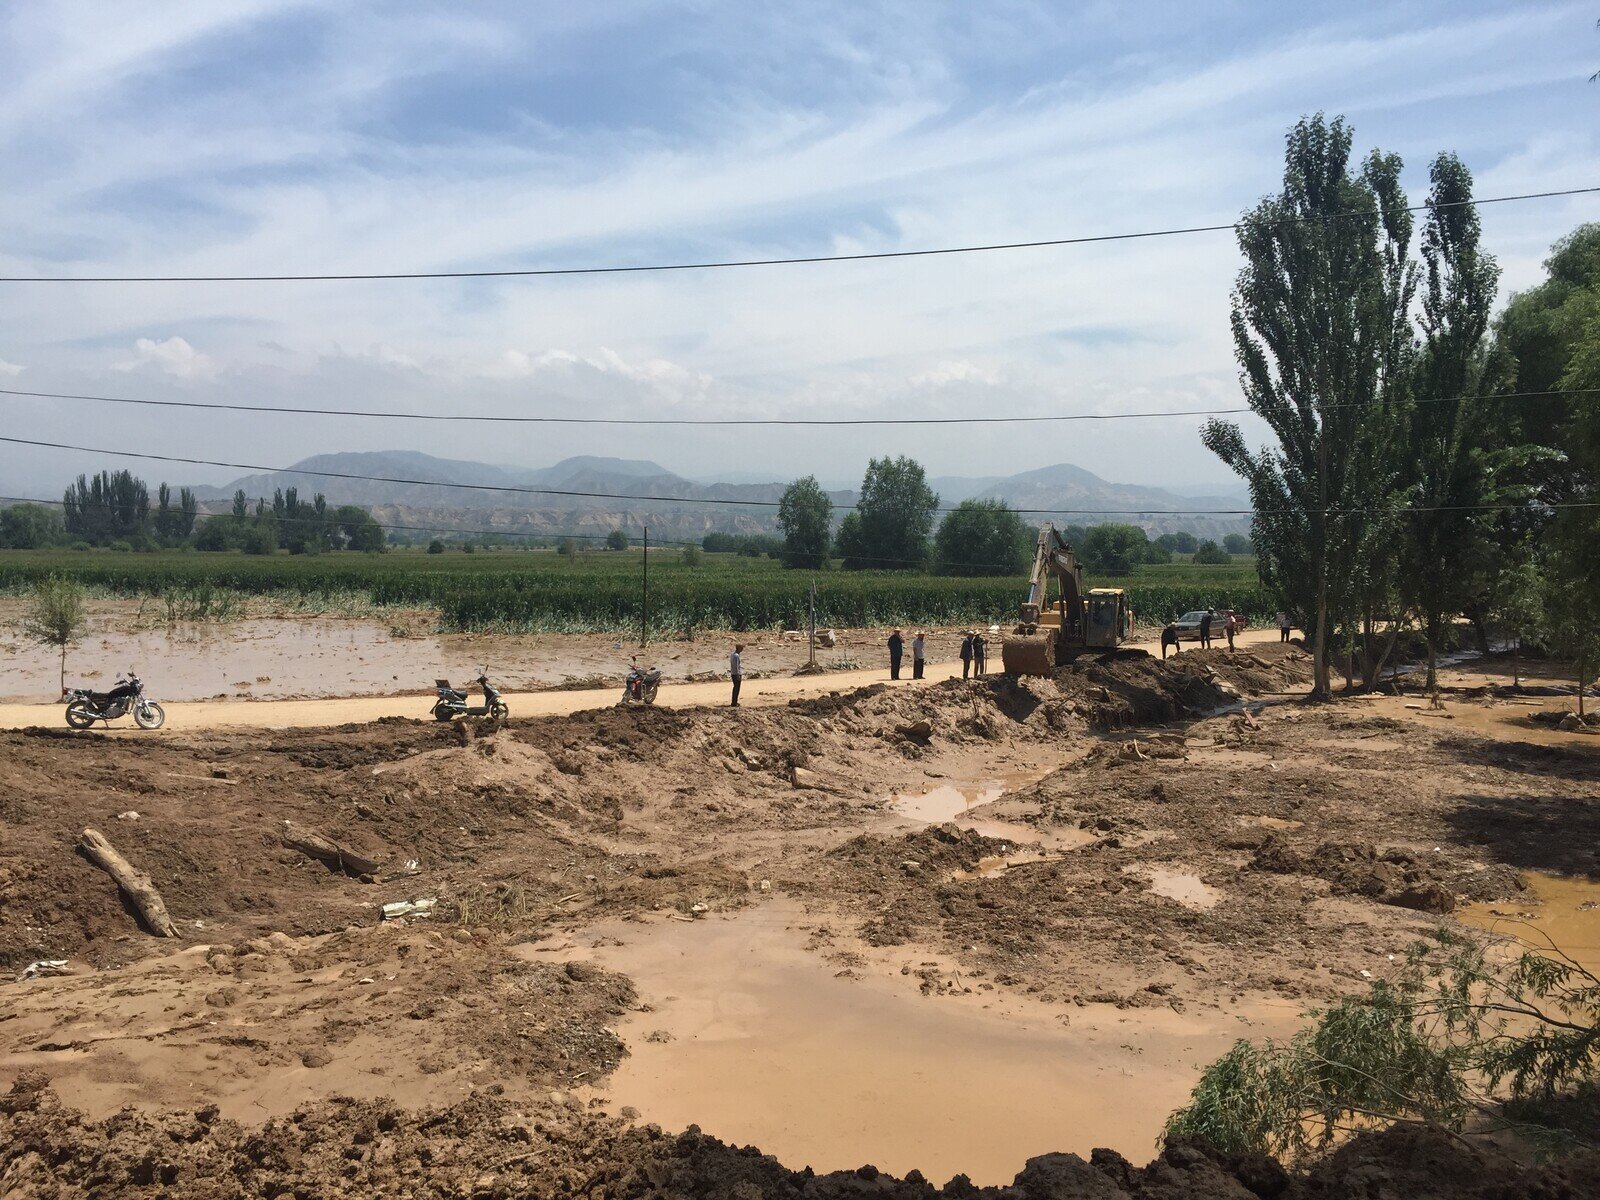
(811, 626)
(644, 609)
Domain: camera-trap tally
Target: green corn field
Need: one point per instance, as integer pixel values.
(538, 591)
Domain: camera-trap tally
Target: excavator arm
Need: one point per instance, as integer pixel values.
(1030, 649)
(1053, 558)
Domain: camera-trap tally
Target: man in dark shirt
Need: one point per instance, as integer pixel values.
(1205, 630)
(896, 648)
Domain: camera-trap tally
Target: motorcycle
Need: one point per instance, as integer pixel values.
(640, 687)
(85, 706)
(452, 702)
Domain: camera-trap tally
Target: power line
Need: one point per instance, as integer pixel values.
(708, 265)
(488, 487)
(217, 406)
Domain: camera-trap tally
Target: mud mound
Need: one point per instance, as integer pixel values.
(486, 1147)
(1136, 688)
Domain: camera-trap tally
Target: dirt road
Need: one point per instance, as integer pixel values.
(187, 717)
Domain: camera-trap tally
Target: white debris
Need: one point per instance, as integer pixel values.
(409, 908)
(130, 815)
(43, 968)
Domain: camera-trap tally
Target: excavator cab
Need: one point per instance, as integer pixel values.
(1110, 619)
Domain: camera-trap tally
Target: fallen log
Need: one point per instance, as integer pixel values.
(135, 884)
(313, 845)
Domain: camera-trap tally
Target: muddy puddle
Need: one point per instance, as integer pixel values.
(955, 804)
(1185, 888)
(1558, 912)
(759, 1041)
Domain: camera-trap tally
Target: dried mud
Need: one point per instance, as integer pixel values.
(1279, 855)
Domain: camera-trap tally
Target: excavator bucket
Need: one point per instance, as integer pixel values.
(1028, 653)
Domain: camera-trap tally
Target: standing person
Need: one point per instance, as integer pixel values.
(980, 655)
(896, 648)
(919, 655)
(1228, 627)
(1283, 627)
(1205, 630)
(966, 653)
(736, 671)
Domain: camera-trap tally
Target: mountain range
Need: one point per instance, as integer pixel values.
(593, 495)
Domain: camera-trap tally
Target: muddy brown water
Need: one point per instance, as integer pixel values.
(757, 1040)
(1562, 913)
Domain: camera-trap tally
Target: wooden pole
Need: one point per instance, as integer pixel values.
(644, 609)
(811, 626)
(135, 884)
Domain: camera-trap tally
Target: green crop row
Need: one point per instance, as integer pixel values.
(532, 592)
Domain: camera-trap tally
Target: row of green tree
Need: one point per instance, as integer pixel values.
(113, 509)
(1426, 460)
(892, 528)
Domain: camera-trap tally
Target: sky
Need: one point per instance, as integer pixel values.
(271, 136)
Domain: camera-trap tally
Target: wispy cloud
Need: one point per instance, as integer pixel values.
(275, 135)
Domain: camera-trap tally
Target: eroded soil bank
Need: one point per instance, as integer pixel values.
(1108, 915)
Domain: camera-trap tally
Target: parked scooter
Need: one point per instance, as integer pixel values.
(452, 702)
(85, 707)
(640, 686)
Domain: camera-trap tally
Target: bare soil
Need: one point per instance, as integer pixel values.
(1193, 857)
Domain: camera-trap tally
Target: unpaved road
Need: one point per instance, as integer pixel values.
(189, 716)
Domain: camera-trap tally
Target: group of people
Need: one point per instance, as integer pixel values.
(919, 653)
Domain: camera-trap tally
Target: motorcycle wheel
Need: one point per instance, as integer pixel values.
(149, 715)
(80, 715)
(500, 712)
(443, 712)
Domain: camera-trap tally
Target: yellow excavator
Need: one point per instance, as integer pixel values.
(1078, 621)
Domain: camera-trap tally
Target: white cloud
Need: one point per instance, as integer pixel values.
(173, 356)
(133, 152)
(954, 371)
(10, 369)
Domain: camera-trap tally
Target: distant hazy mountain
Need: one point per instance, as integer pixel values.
(615, 493)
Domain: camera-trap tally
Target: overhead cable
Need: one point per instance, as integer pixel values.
(519, 419)
(719, 264)
(489, 487)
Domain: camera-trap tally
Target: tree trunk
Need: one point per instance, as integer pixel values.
(1321, 688)
(1583, 674)
(1388, 649)
(313, 845)
(1516, 663)
(135, 884)
(63, 669)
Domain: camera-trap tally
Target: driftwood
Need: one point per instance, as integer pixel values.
(135, 884)
(313, 845)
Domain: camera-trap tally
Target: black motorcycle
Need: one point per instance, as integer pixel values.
(85, 707)
(640, 686)
(452, 702)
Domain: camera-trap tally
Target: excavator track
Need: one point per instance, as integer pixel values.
(1028, 653)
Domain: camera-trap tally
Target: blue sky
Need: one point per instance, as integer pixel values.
(251, 137)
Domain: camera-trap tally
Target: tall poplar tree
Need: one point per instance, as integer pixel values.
(1320, 332)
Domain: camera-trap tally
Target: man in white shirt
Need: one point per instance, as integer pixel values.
(736, 671)
(1283, 627)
